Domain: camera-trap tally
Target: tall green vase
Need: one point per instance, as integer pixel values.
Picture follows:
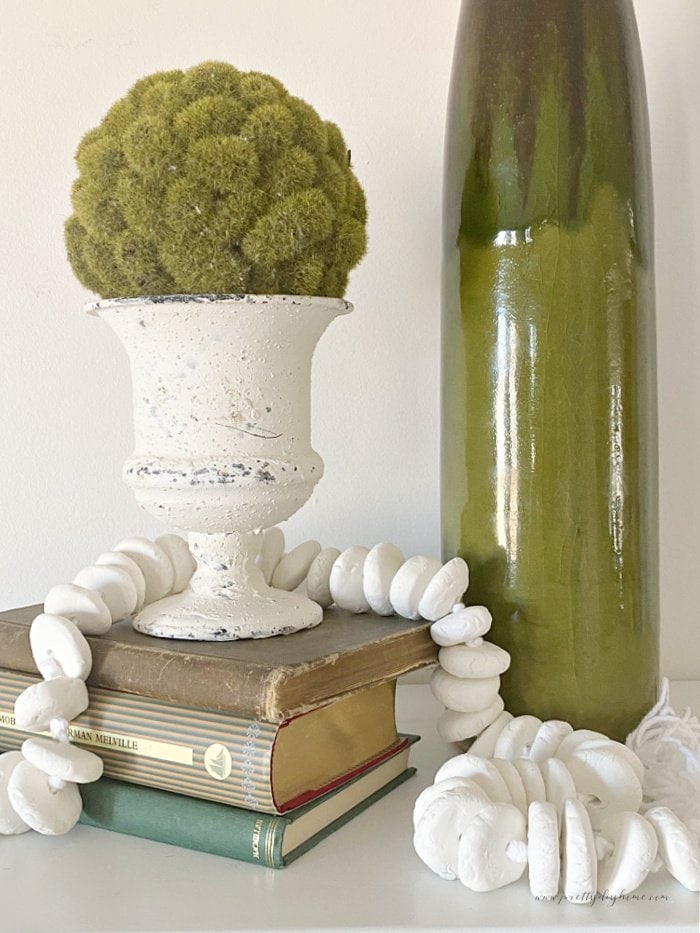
(549, 436)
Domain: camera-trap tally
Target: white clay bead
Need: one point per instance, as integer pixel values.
(457, 727)
(461, 694)
(124, 562)
(485, 660)
(294, 566)
(11, 824)
(543, 850)
(558, 783)
(482, 771)
(433, 791)
(516, 739)
(180, 556)
(605, 782)
(47, 810)
(445, 589)
(437, 834)
(614, 748)
(678, 847)
(154, 564)
(462, 625)
(114, 585)
(513, 782)
(381, 566)
(319, 577)
(63, 760)
(549, 737)
(532, 779)
(271, 551)
(485, 743)
(486, 856)
(346, 579)
(60, 698)
(579, 857)
(58, 648)
(571, 742)
(409, 585)
(634, 853)
(82, 606)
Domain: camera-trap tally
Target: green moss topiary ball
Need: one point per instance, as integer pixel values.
(214, 180)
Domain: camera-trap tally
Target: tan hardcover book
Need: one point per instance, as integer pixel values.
(271, 679)
(272, 768)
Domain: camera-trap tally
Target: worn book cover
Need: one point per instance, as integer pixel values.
(271, 679)
(270, 767)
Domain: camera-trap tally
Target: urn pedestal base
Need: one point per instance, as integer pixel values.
(216, 618)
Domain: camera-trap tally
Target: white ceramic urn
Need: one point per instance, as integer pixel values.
(221, 391)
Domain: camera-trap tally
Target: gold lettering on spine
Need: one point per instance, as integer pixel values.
(257, 829)
(116, 742)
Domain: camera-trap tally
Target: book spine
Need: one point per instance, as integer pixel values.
(184, 821)
(199, 753)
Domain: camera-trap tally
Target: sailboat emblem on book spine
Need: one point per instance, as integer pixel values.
(217, 761)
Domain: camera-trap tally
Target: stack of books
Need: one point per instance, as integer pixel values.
(254, 750)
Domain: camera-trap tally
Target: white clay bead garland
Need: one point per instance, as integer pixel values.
(346, 580)
(359, 579)
(533, 782)
(294, 566)
(438, 831)
(487, 857)
(83, 607)
(514, 783)
(454, 726)
(580, 791)
(58, 698)
(63, 761)
(48, 810)
(579, 856)
(410, 583)
(464, 695)
(462, 626)
(474, 661)
(584, 830)
(271, 552)
(59, 648)
(181, 559)
(433, 791)
(632, 853)
(115, 586)
(154, 564)
(485, 743)
(11, 824)
(379, 569)
(318, 579)
(678, 847)
(544, 857)
(445, 588)
(124, 562)
(38, 787)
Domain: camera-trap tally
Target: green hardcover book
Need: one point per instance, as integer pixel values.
(247, 835)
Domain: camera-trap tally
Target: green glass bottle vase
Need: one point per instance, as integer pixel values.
(549, 435)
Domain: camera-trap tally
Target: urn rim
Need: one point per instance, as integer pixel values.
(168, 301)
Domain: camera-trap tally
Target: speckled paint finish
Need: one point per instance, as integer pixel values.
(221, 391)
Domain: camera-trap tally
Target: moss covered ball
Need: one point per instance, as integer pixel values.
(214, 180)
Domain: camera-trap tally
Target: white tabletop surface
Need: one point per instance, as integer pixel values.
(364, 877)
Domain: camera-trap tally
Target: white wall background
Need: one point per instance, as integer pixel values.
(380, 69)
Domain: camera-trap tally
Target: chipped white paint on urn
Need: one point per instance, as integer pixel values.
(221, 389)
